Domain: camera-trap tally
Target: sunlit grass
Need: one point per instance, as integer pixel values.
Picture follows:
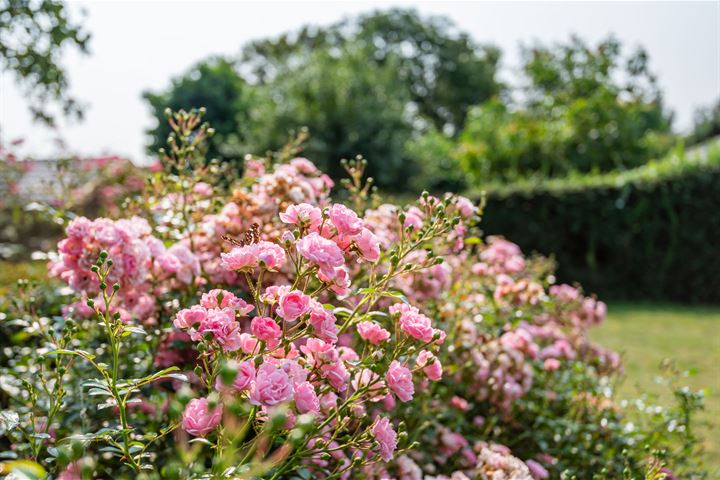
(647, 334)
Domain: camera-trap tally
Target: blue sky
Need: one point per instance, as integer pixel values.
(135, 48)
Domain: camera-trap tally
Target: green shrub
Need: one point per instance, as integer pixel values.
(644, 233)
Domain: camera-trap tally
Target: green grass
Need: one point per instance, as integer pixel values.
(646, 334)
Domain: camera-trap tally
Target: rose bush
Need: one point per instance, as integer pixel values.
(252, 327)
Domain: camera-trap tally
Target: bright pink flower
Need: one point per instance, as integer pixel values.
(413, 218)
(323, 322)
(197, 418)
(368, 245)
(430, 364)
(306, 400)
(224, 328)
(190, 317)
(338, 279)
(265, 328)
(386, 437)
(465, 206)
(372, 332)
(272, 386)
(413, 322)
(399, 380)
(292, 305)
(322, 252)
(243, 378)
(229, 300)
(345, 220)
(303, 215)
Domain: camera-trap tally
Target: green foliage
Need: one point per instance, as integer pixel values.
(348, 109)
(361, 86)
(583, 110)
(707, 124)
(215, 85)
(33, 35)
(638, 234)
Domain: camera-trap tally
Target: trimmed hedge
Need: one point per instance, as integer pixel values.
(648, 233)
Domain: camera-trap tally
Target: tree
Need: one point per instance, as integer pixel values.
(33, 35)
(444, 71)
(581, 109)
(215, 85)
(350, 108)
(707, 124)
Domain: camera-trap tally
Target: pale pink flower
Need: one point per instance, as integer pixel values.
(368, 245)
(465, 206)
(203, 189)
(270, 255)
(322, 252)
(306, 400)
(386, 438)
(399, 380)
(413, 322)
(190, 317)
(292, 305)
(537, 471)
(551, 364)
(303, 215)
(345, 220)
(265, 328)
(323, 322)
(224, 328)
(243, 378)
(272, 386)
(198, 420)
(430, 364)
(240, 258)
(366, 378)
(372, 332)
(229, 300)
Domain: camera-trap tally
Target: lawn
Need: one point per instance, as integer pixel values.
(646, 334)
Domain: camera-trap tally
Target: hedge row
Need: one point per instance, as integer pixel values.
(648, 233)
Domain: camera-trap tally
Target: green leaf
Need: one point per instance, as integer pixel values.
(8, 421)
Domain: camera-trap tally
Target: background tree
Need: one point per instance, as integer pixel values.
(707, 124)
(33, 35)
(364, 85)
(215, 85)
(580, 109)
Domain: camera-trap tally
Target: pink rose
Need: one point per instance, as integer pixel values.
(430, 364)
(190, 317)
(372, 332)
(265, 328)
(212, 298)
(551, 364)
(306, 400)
(345, 220)
(270, 255)
(292, 305)
(322, 252)
(386, 437)
(323, 322)
(272, 386)
(368, 245)
(239, 258)
(197, 418)
(415, 324)
(224, 328)
(399, 380)
(243, 378)
(303, 215)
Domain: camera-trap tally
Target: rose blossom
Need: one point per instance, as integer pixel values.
(197, 418)
(211, 299)
(190, 317)
(292, 305)
(430, 364)
(271, 256)
(224, 328)
(265, 328)
(537, 471)
(323, 322)
(306, 400)
(386, 438)
(345, 220)
(322, 252)
(243, 378)
(399, 380)
(368, 245)
(272, 386)
(302, 215)
(372, 332)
